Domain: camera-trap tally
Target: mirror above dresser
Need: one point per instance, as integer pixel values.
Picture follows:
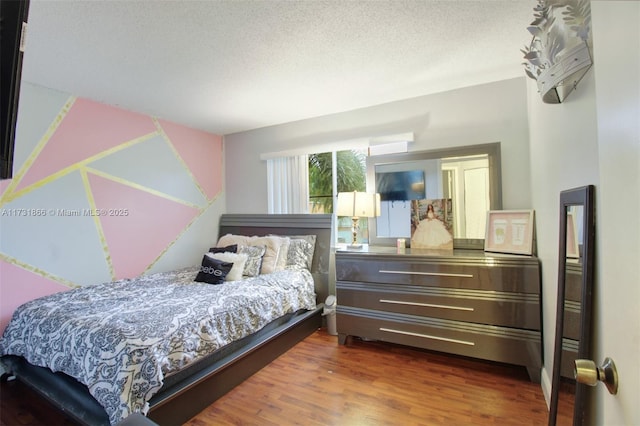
(468, 175)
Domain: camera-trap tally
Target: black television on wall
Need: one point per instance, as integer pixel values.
(401, 185)
(13, 19)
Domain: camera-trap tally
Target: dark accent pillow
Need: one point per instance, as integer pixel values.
(213, 271)
(228, 249)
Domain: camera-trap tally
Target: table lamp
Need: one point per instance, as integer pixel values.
(356, 205)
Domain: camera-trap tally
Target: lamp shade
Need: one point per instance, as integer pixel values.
(358, 204)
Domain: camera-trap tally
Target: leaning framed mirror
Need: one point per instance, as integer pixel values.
(468, 176)
(573, 313)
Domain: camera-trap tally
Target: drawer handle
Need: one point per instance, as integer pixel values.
(433, 274)
(427, 336)
(427, 305)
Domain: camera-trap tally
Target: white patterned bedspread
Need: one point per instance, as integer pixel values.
(121, 339)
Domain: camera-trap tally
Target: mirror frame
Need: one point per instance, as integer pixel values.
(583, 196)
(495, 183)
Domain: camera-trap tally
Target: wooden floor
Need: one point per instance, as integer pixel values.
(319, 382)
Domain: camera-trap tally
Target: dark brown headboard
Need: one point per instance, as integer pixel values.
(319, 225)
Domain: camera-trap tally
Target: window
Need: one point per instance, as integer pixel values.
(333, 172)
(321, 182)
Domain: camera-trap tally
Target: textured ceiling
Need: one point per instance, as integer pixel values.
(228, 66)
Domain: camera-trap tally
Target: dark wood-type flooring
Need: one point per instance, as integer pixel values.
(319, 382)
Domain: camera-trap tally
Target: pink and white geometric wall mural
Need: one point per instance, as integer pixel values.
(100, 193)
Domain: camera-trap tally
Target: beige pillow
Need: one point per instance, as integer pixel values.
(270, 258)
(272, 245)
(281, 263)
(231, 239)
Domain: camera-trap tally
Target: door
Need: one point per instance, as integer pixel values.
(617, 288)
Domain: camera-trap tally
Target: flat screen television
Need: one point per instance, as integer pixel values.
(400, 186)
(12, 16)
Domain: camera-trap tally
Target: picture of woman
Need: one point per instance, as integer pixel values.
(431, 230)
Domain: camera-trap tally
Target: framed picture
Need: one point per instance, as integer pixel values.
(510, 231)
(432, 224)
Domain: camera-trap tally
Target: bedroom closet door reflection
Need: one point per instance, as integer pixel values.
(573, 321)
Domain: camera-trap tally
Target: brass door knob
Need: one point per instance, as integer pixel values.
(585, 371)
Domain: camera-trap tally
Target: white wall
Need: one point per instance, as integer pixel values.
(495, 112)
(593, 138)
(564, 155)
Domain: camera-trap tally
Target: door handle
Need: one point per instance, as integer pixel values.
(585, 371)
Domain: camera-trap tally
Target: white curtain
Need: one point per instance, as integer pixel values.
(288, 184)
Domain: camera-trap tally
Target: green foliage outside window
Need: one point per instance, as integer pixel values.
(351, 170)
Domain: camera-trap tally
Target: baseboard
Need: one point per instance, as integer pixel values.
(545, 384)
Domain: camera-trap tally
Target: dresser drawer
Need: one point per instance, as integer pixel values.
(485, 307)
(505, 277)
(520, 347)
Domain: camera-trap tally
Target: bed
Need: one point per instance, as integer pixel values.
(187, 372)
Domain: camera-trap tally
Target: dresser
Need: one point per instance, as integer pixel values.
(465, 302)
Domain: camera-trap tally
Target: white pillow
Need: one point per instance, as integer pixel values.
(238, 260)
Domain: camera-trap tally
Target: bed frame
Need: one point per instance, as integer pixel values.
(177, 403)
